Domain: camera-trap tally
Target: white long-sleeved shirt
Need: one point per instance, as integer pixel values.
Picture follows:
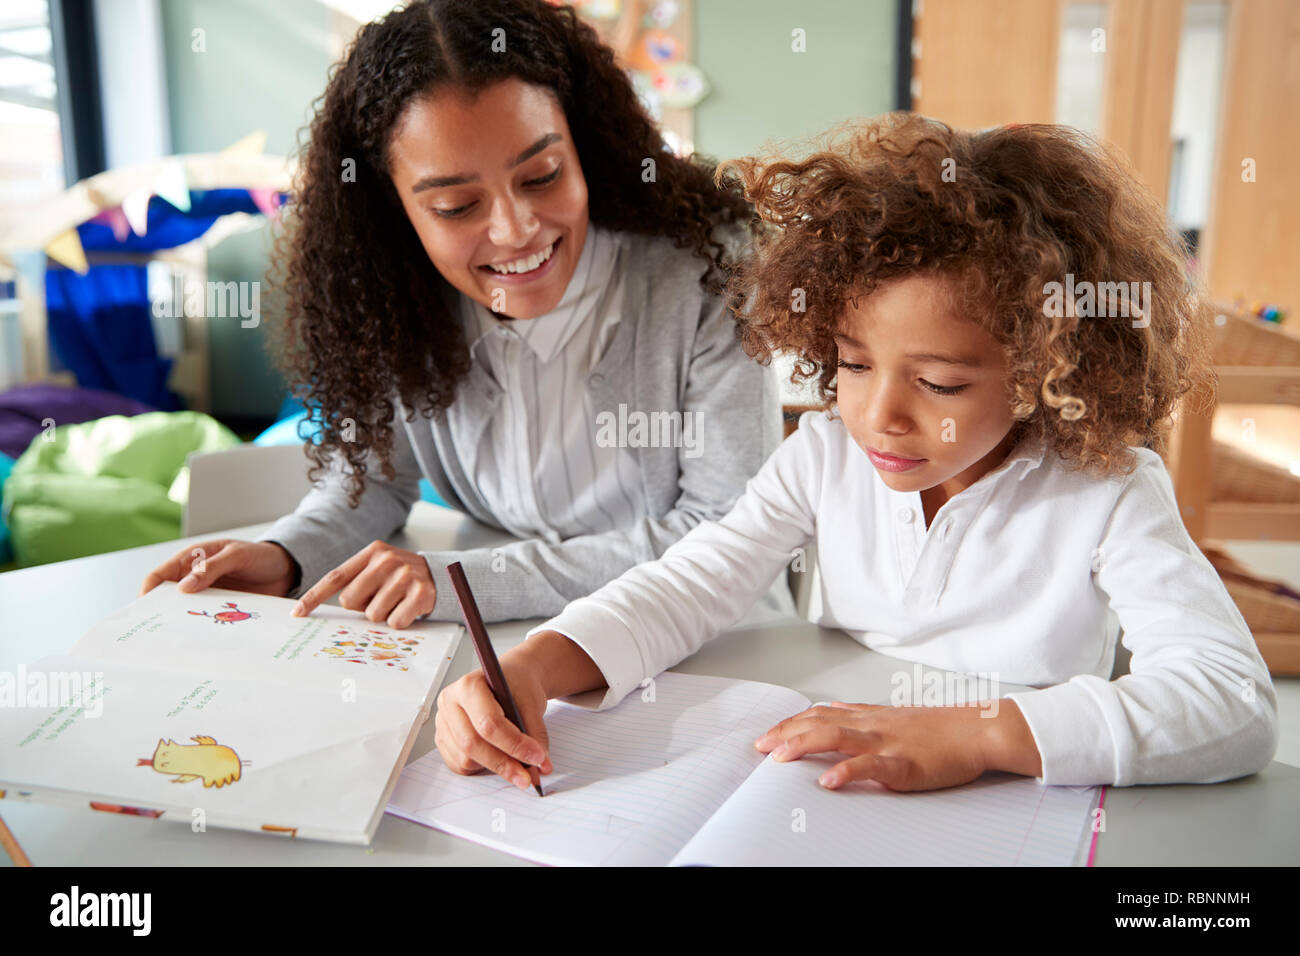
(1029, 575)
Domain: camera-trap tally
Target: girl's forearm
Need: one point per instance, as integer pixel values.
(563, 666)
(1011, 745)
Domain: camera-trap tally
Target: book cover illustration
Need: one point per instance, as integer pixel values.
(217, 631)
(259, 727)
(205, 759)
(230, 615)
(370, 646)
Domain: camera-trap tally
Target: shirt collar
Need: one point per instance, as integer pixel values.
(1031, 450)
(547, 334)
(1027, 455)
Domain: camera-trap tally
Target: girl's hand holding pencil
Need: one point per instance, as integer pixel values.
(473, 733)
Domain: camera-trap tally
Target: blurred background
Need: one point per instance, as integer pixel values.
(144, 156)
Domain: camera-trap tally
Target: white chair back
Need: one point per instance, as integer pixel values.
(244, 485)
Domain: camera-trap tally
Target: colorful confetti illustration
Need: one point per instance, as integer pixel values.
(358, 645)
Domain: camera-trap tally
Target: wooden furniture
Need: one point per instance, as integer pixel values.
(1249, 244)
(1225, 493)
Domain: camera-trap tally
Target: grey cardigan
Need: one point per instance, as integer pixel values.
(674, 349)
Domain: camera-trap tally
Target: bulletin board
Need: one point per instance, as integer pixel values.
(652, 39)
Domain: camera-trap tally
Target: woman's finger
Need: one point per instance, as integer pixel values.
(333, 582)
(208, 568)
(390, 591)
(412, 606)
(179, 564)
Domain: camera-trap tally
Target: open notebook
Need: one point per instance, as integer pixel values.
(219, 709)
(671, 776)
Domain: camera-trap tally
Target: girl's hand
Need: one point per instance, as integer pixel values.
(391, 584)
(473, 733)
(262, 567)
(907, 748)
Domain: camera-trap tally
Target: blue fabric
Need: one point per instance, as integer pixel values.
(101, 328)
(285, 432)
(427, 493)
(6, 549)
(289, 407)
(168, 226)
(100, 324)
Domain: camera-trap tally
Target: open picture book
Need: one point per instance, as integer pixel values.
(220, 709)
(670, 776)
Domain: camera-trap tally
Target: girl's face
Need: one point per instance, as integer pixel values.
(898, 396)
(493, 187)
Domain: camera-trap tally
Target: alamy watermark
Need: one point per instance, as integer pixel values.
(82, 690)
(1099, 300)
(215, 300)
(945, 689)
(638, 429)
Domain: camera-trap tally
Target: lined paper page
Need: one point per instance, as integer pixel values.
(782, 816)
(631, 784)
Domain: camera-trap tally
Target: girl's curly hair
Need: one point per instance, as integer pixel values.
(1001, 214)
(365, 312)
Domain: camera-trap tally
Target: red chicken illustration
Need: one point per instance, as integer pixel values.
(228, 616)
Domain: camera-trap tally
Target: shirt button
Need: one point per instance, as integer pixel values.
(905, 515)
(597, 379)
(947, 528)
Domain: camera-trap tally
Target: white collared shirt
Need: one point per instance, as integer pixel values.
(538, 463)
(1027, 576)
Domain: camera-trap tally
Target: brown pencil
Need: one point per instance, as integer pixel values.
(487, 657)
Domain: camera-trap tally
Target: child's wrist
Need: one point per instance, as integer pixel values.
(561, 666)
(1009, 743)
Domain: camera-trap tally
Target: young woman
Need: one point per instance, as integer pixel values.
(490, 231)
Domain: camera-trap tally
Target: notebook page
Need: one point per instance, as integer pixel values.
(631, 784)
(783, 817)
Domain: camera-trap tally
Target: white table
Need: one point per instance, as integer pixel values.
(43, 610)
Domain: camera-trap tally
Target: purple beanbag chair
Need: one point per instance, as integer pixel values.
(25, 407)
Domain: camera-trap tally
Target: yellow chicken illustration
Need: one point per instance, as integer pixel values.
(205, 759)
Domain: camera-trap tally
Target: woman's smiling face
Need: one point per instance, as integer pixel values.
(897, 395)
(493, 180)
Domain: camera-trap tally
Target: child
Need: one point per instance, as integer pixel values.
(957, 296)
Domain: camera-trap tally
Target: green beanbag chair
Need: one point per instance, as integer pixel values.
(103, 485)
